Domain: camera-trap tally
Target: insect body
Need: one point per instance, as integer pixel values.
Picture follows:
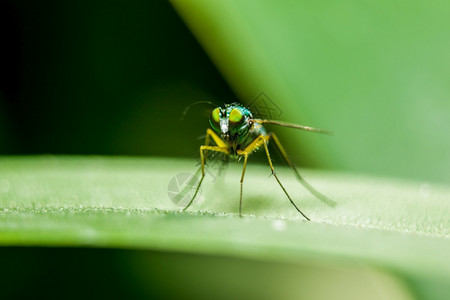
(237, 134)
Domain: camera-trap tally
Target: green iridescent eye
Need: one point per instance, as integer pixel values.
(214, 119)
(236, 121)
(215, 115)
(236, 116)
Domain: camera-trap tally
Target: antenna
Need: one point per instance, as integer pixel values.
(189, 106)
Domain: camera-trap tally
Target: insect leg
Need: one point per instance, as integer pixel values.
(276, 177)
(246, 152)
(290, 125)
(221, 147)
(215, 137)
(187, 187)
(202, 156)
(258, 142)
(312, 190)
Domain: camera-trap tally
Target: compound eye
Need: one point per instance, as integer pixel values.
(214, 119)
(236, 116)
(236, 120)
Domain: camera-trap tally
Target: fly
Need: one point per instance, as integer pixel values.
(237, 134)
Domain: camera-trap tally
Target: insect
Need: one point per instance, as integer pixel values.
(237, 134)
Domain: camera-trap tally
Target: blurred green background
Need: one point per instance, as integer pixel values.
(101, 77)
(375, 73)
(113, 77)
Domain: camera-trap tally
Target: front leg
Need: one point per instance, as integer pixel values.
(257, 142)
(221, 147)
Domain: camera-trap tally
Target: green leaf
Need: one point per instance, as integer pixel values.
(400, 228)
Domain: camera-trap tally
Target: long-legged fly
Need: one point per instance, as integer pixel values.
(237, 134)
